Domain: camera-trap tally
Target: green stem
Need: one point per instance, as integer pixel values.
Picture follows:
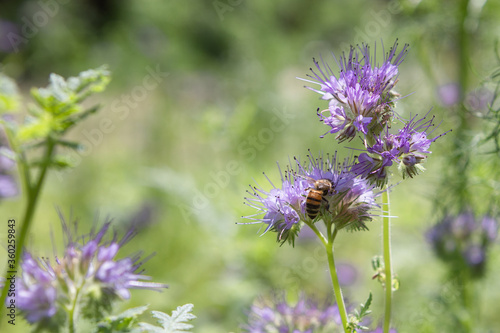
(318, 233)
(33, 194)
(467, 316)
(328, 244)
(386, 235)
(335, 280)
(71, 312)
(461, 143)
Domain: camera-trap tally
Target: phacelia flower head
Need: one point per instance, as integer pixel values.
(88, 274)
(37, 292)
(361, 96)
(305, 316)
(319, 189)
(463, 240)
(408, 148)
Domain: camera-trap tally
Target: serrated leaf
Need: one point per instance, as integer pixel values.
(176, 323)
(365, 308)
(145, 327)
(61, 97)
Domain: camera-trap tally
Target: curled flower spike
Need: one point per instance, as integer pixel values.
(346, 201)
(88, 274)
(361, 96)
(408, 148)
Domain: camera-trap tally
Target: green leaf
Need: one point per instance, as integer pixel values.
(35, 128)
(9, 94)
(124, 322)
(70, 144)
(355, 319)
(365, 308)
(60, 95)
(176, 323)
(58, 106)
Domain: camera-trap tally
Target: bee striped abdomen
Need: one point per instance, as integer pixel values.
(313, 203)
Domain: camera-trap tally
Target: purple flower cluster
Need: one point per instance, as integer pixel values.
(306, 316)
(360, 97)
(361, 100)
(88, 274)
(348, 204)
(464, 240)
(37, 293)
(407, 148)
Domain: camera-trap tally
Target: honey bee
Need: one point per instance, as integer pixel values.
(316, 195)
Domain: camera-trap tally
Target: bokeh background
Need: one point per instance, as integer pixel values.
(180, 154)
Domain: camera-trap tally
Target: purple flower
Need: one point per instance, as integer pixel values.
(463, 240)
(37, 292)
(346, 204)
(9, 34)
(479, 100)
(449, 94)
(347, 274)
(489, 227)
(37, 301)
(407, 148)
(88, 274)
(337, 119)
(474, 255)
(306, 315)
(361, 96)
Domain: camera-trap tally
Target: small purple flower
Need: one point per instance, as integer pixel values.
(407, 148)
(337, 119)
(490, 228)
(347, 274)
(474, 255)
(361, 96)
(277, 315)
(449, 94)
(11, 39)
(463, 240)
(479, 100)
(8, 186)
(87, 274)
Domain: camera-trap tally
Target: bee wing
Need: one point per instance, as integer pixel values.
(311, 180)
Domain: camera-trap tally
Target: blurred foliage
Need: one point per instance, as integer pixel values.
(178, 156)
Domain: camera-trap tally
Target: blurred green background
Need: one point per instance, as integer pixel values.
(226, 107)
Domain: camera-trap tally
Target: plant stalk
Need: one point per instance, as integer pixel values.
(33, 195)
(386, 236)
(335, 280)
